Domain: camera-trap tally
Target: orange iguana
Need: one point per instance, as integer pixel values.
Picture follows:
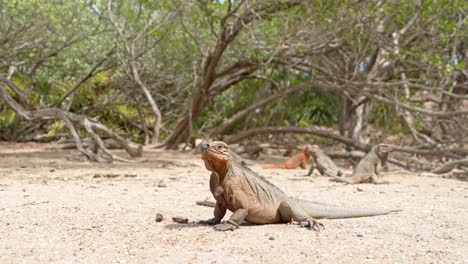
(298, 160)
(253, 199)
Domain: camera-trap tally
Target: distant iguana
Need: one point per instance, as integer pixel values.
(254, 199)
(298, 160)
(236, 157)
(323, 163)
(370, 166)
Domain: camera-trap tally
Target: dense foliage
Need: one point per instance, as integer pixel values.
(195, 66)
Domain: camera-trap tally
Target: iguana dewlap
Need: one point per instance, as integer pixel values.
(252, 198)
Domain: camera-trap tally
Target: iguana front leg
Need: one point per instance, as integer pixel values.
(243, 205)
(375, 180)
(375, 177)
(234, 221)
(312, 167)
(219, 213)
(289, 211)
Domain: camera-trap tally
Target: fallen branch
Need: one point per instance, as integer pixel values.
(330, 134)
(72, 121)
(450, 166)
(323, 132)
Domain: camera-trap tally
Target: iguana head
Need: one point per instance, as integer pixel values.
(216, 156)
(314, 150)
(384, 148)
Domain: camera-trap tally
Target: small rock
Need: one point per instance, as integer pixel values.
(52, 170)
(161, 184)
(180, 220)
(359, 189)
(271, 238)
(159, 217)
(360, 235)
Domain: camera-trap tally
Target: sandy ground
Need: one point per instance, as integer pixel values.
(56, 210)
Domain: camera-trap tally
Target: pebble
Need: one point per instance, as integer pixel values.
(159, 217)
(180, 220)
(162, 184)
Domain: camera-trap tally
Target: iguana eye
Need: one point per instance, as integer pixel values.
(220, 147)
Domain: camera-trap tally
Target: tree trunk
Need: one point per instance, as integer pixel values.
(359, 130)
(343, 114)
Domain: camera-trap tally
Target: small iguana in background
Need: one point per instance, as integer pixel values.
(323, 163)
(236, 157)
(252, 198)
(370, 166)
(298, 160)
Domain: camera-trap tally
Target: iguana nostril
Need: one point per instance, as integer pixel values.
(205, 146)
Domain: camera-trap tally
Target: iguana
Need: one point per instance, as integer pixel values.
(239, 159)
(370, 166)
(298, 160)
(323, 163)
(252, 198)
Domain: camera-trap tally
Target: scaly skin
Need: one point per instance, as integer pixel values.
(323, 163)
(252, 198)
(298, 160)
(370, 166)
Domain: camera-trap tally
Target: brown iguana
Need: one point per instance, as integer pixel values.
(323, 163)
(236, 157)
(298, 160)
(370, 166)
(254, 199)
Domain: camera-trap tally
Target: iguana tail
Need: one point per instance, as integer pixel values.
(275, 166)
(321, 210)
(345, 179)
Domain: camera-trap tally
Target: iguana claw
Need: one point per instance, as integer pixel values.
(311, 224)
(225, 227)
